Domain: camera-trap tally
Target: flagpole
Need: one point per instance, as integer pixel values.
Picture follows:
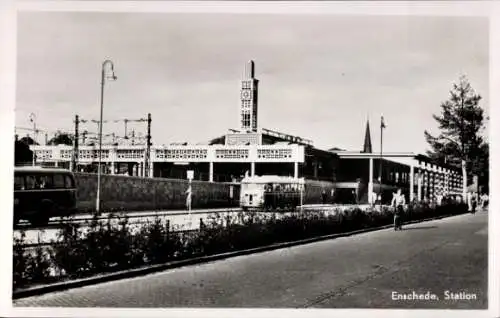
(380, 160)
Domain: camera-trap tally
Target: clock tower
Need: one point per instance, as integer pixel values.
(249, 89)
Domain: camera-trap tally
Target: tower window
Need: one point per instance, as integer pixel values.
(245, 121)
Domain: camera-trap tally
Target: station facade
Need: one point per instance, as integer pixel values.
(251, 150)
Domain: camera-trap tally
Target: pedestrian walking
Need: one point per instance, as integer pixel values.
(398, 201)
(472, 202)
(484, 200)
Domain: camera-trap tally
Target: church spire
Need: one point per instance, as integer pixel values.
(367, 147)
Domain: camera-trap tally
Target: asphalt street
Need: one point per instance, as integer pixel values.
(370, 270)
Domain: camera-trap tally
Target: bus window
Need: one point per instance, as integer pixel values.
(30, 182)
(45, 182)
(39, 182)
(59, 181)
(18, 183)
(69, 182)
(49, 182)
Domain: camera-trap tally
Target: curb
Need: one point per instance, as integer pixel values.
(39, 290)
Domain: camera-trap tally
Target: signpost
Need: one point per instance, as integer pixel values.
(189, 193)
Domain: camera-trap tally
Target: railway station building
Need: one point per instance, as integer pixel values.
(251, 150)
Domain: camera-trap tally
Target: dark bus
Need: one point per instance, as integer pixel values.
(42, 193)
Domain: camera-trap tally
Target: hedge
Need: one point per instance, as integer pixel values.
(107, 246)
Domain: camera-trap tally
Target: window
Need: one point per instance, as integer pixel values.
(245, 119)
(59, 181)
(69, 182)
(30, 182)
(45, 182)
(18, 183)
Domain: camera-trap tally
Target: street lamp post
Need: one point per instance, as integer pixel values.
(33, 121)
(103, 79)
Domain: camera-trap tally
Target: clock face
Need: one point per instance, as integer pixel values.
(245, 94)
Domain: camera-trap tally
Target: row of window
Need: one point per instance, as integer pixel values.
(247, 103)
(43, 154)
(274, 153)
(85, 154)
(452, 180)
(241, 139)
(41, 181)
(404, 177)
(181, 154)
(231, 153)
(66, 154)
(245, 120)
(451, 184)
(130, 154)
(91, 154)
(398, 177)
(246, 84)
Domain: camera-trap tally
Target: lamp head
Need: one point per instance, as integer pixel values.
(112, 76)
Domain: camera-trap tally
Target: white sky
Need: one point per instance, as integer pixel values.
(320, 77)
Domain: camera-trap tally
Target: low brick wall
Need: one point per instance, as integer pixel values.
(124, 193)
(314, 190)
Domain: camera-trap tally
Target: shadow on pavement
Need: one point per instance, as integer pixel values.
(419, 228)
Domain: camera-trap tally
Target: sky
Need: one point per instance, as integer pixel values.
(321, 76)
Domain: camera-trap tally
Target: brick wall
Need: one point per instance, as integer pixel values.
(313, 191)
(123, 193)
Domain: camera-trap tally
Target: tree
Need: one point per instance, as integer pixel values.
(28, 141)
(22, 153)
(481, 166)
(460, 142)
(61, 139)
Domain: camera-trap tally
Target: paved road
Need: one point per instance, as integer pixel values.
(361, 271)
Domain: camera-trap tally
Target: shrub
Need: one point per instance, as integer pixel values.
(68, 252)
(159, 244)
(107, 245)
(20, 261)
(38, 265)
(30, 266)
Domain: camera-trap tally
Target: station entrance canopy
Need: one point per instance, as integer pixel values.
(372, 174)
